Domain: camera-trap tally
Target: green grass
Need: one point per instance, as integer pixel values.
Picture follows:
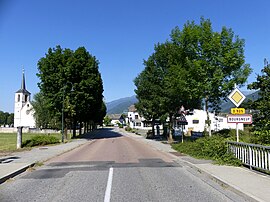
(8, 141)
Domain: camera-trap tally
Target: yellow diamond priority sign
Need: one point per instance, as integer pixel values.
(237, 97)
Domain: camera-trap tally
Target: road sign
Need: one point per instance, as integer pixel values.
(244, 118)
(238, 111)
(237, 97)
(182, 120)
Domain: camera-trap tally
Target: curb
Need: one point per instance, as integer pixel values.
(220, 181)
(16, 172)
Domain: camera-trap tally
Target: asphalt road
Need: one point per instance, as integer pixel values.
(113, 167)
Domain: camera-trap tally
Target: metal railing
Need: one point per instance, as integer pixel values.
(252, 155)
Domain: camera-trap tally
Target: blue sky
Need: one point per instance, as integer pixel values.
(120, 33)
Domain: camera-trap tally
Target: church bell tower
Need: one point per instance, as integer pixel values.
(22, 98)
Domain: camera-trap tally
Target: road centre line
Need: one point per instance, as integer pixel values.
(109, 186)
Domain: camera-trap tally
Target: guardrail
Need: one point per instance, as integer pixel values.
(252, 155)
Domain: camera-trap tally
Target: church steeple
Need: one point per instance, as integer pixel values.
(23, 82)
(23, 86)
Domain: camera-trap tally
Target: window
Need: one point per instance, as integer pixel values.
(25, 98)
(147, 124)
(220, 120)
(138, 124)
(19, 97)
(136, 116)
(195, 121)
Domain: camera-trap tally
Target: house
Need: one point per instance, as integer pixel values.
(116, 119)
(23, 109)
(197, 122)
(136, 121)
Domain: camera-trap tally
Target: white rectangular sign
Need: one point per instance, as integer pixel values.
(239, 118)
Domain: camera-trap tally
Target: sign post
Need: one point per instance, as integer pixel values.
(238, 114)
(19, 137)
(182, 121)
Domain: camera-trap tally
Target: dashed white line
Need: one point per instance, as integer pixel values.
(107, 197)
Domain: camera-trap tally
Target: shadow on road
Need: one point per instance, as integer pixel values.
(101, 133)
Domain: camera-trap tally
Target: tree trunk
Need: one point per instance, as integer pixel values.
(74, 129)
(80, 129)
(170, 138)
(208, 119)
(153, 128)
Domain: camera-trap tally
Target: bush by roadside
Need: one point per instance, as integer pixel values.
(214, 148)
(40, 140)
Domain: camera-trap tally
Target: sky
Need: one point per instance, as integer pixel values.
(120, 34)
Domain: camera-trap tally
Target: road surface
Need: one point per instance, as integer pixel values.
(113, 167)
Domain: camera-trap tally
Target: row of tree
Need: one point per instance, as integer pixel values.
(70, 85)
(196, 65)
(6, 118)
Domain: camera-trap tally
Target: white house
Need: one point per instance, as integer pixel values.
(116, 119)
(23, 110)
(196, 122)
(135, 120)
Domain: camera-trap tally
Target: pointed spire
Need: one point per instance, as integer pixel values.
(23, 86)
(23, 81)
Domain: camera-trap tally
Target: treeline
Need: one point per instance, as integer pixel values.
(71, 87)
(6, 118)
(196, 65)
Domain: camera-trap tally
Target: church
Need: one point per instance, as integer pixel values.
(23, 110)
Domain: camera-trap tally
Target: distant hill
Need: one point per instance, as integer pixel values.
(121, 105)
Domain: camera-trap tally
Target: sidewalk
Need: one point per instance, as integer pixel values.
(18, 162)
(252, 185)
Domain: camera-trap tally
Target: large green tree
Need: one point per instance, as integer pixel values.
(197, 64)
(215, 60)
(43, 116)
(149, 89)
(70, 81)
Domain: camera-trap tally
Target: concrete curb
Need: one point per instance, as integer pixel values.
(221, 182)
(23, 168)
(16, 172)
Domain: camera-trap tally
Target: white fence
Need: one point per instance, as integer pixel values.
(252, 155)
(29, 130)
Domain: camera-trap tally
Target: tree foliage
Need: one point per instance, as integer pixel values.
(6, 118)
(71, 80)
(196, 64)
(262, 104)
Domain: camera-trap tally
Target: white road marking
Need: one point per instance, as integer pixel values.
(109, 186)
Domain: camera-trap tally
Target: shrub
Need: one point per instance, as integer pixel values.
(40, 140)
(261, 137)
(214, 148)
(128, 128)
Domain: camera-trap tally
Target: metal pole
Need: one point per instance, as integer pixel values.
(63, 137)
(182, 133)
(237, 134)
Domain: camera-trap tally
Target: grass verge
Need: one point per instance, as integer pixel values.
(8, 141)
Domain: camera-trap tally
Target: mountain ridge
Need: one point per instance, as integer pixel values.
(121, 105)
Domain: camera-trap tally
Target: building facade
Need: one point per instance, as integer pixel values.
(23, 109)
